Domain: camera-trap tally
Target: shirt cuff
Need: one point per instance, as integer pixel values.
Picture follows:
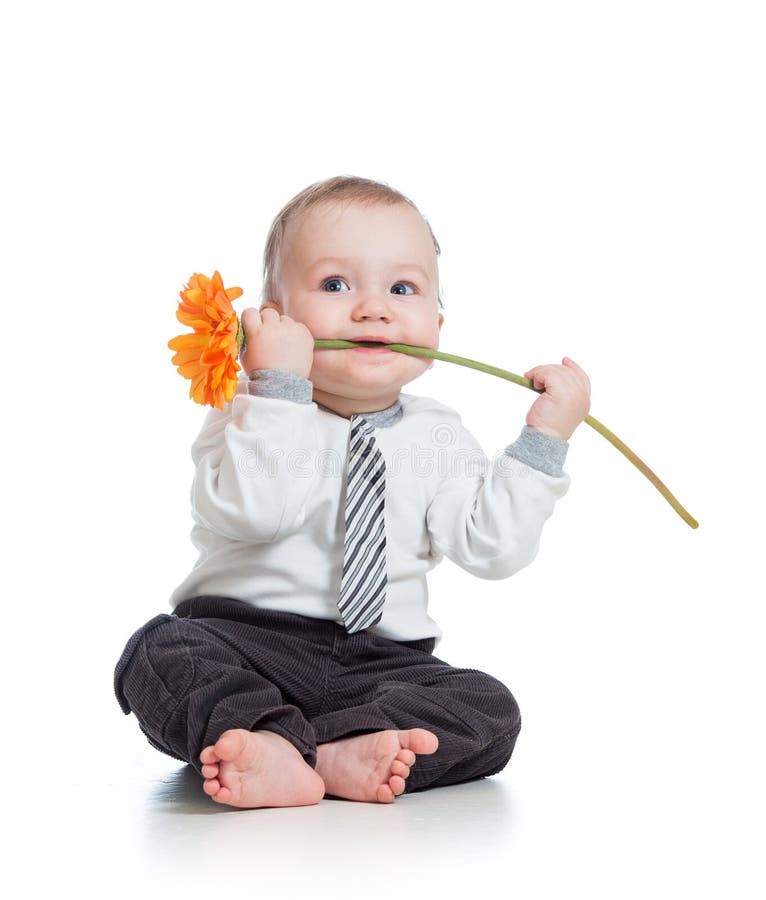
(539, 450)
(280, 384)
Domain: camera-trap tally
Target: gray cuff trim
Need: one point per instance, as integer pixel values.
(539, 450)
(280, 384)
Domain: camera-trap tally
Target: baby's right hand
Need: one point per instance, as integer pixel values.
(276, 342)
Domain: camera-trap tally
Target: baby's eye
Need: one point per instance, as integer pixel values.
(331, 284)
(404, 284)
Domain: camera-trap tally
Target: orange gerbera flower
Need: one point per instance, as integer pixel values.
(208, 356)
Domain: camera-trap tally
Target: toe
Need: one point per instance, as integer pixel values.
(406, 756)
(398, 768)
(211, 786)
(396, 784)
(211, 770)
(223, 796)
(419, 740)
(230, 744)
(385, 794)
(208, 755)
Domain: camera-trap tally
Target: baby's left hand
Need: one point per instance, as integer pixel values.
(565, 401)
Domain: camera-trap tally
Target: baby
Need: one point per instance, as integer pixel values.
(259, 678)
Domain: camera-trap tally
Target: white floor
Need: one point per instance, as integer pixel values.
(430, 838)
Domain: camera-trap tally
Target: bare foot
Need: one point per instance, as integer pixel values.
(258, 768)
(372, 767)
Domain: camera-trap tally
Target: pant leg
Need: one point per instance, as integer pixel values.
(378, 684)
(187, 680)
(228, 665)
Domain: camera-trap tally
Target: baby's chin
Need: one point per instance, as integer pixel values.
(365, 376)
(364, 385)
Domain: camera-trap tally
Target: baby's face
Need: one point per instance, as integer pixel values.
(358, 272)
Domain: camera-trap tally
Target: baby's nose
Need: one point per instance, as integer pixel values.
(372, 304)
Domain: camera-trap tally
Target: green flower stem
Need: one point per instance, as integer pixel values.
(524, 382)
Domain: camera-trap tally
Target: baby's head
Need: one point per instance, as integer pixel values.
(339, 191)
(354, 259)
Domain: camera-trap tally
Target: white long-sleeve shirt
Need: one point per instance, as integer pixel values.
(269, 489)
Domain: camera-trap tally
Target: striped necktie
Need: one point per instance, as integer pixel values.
(363, 586)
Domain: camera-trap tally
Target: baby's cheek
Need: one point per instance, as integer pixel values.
(417, 363)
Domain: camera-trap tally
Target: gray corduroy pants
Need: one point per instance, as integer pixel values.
(216, 663)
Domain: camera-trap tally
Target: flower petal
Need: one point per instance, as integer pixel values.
(208, 356)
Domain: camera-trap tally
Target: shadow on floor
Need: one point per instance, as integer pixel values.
(180, 793)
(426, 832)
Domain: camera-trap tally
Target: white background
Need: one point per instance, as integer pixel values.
(594, 173)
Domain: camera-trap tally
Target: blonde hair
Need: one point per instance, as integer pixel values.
(341, 187)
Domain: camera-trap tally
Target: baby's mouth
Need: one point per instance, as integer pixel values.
(370, 347)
